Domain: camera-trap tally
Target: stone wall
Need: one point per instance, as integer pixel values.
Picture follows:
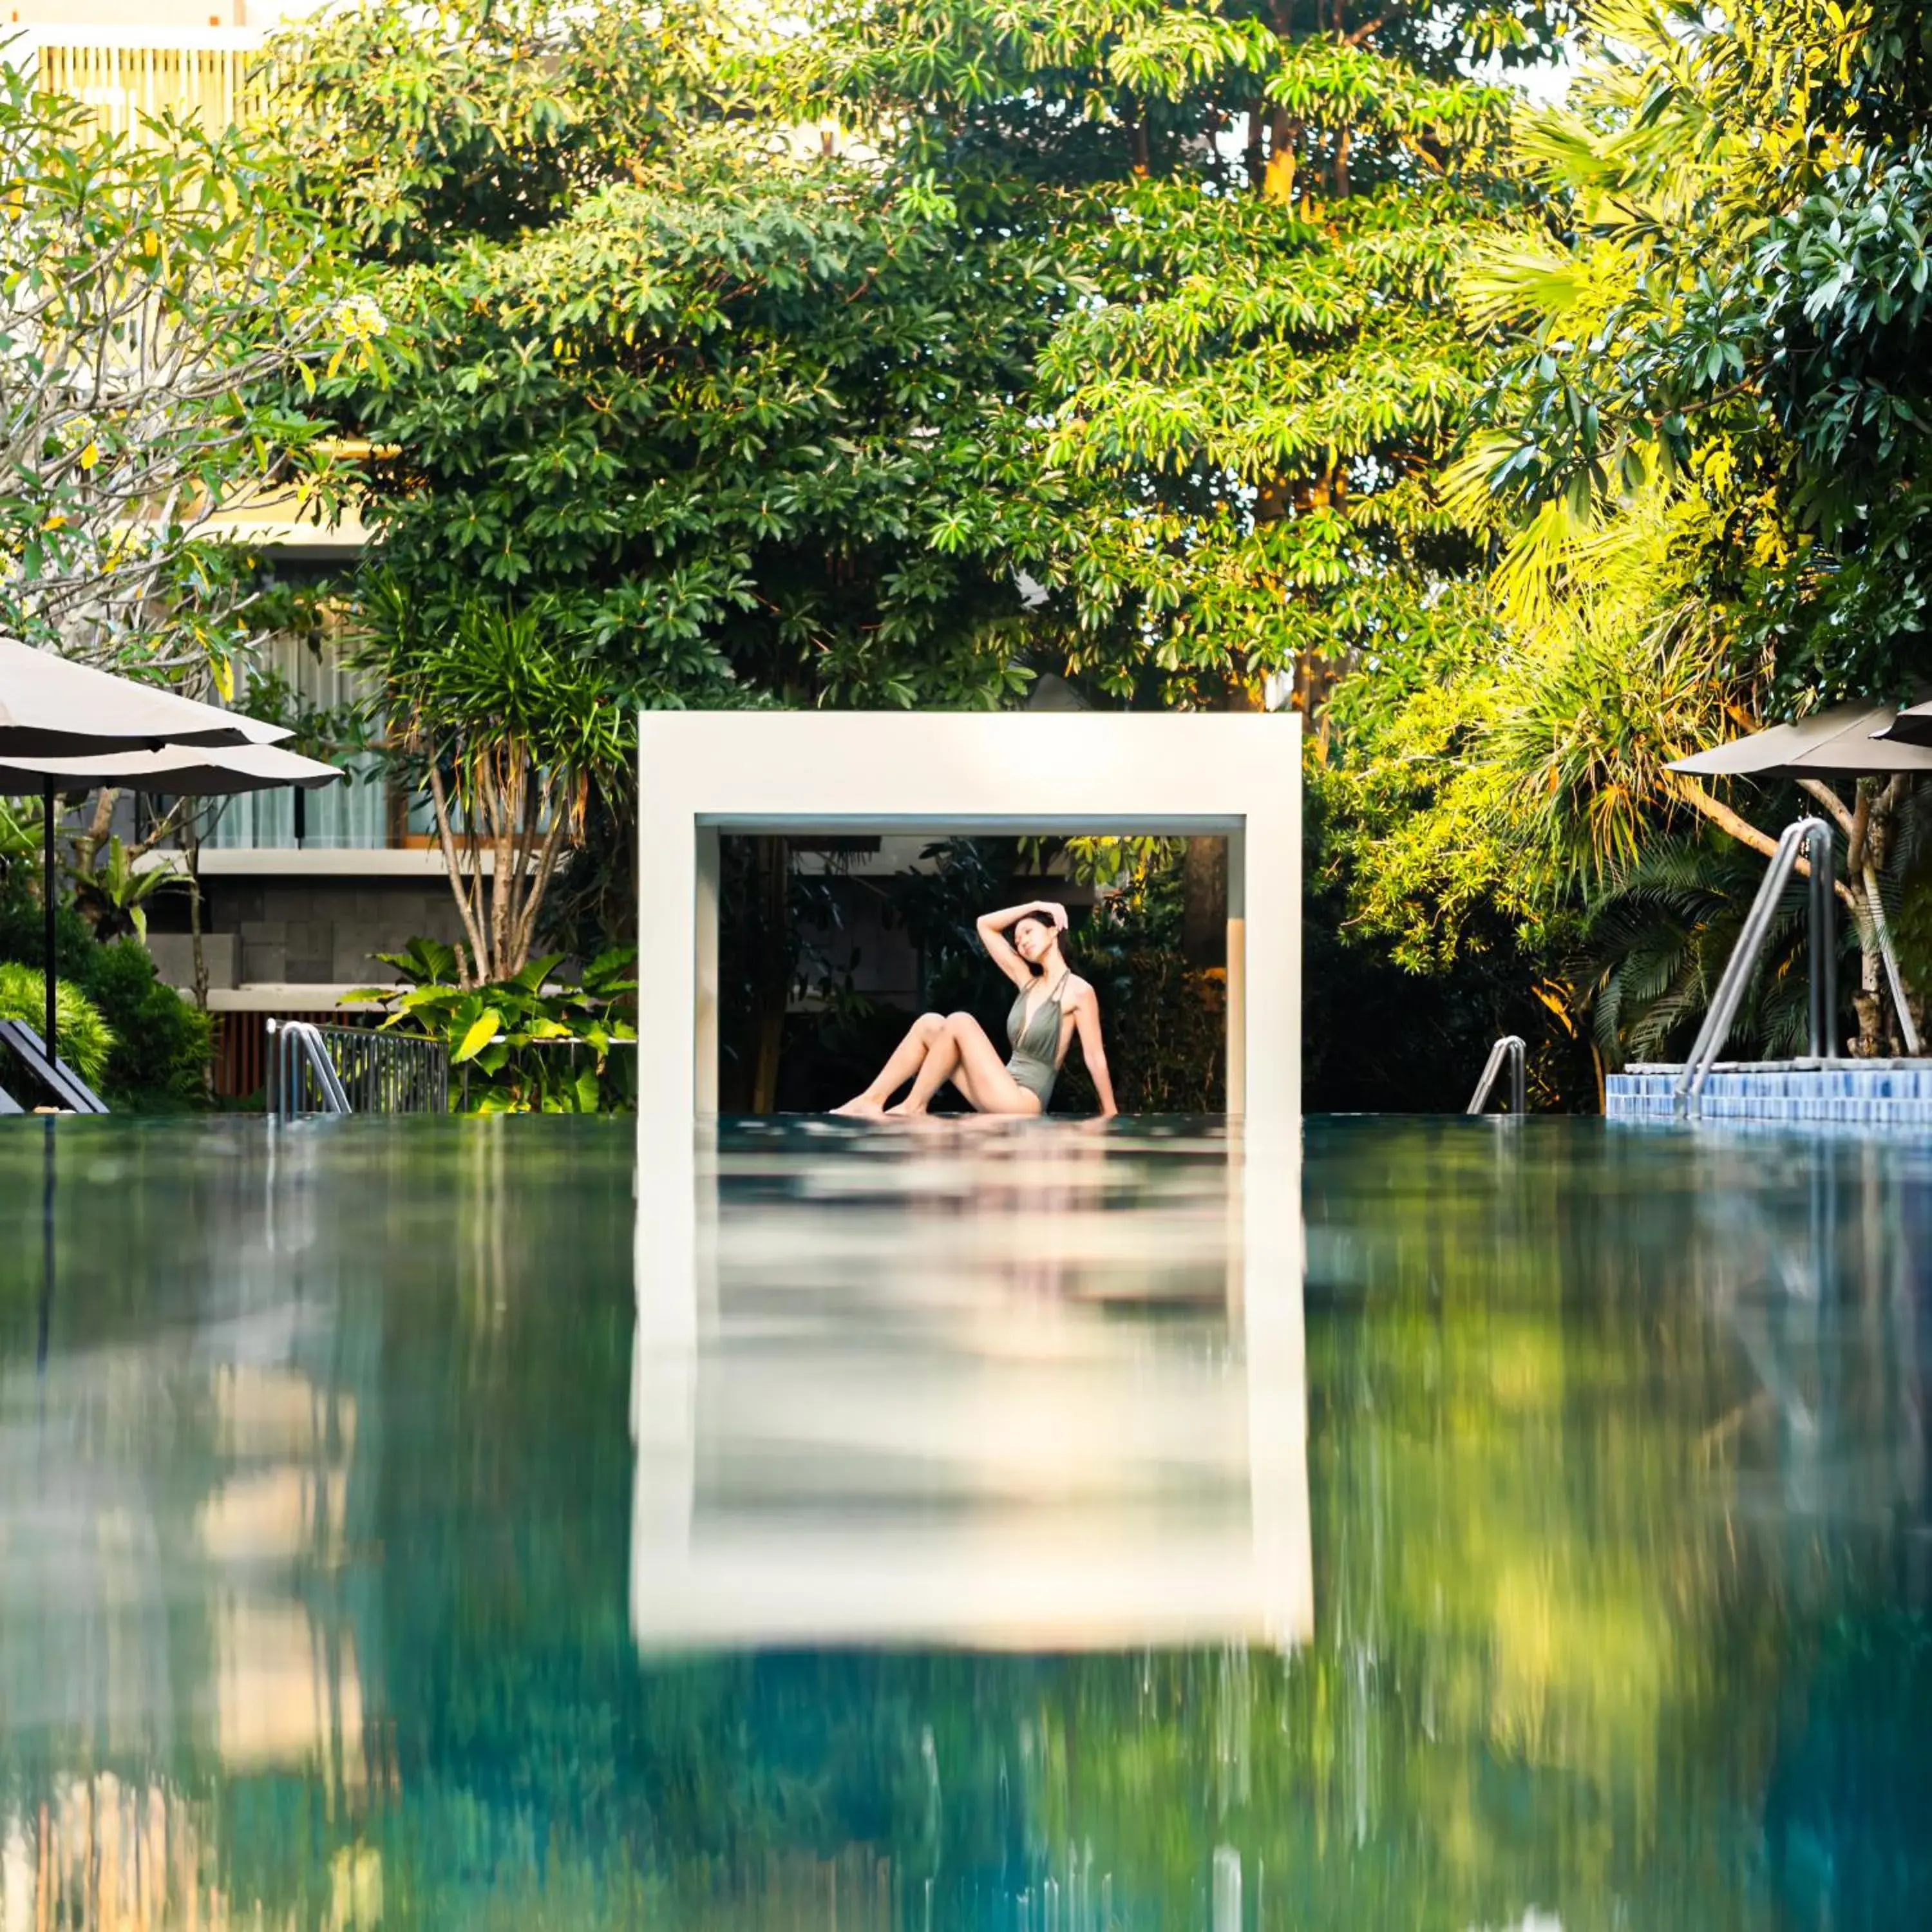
(306, 932)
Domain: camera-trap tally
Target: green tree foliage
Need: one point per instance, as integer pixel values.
(1706, 445)
(1739, 306)
(420, 131)
(717, 403)
(1260, 359)
(169, 303)
(1150, 309)
(720, 419)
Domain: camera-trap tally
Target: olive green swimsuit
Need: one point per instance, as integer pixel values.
(1036, 1046)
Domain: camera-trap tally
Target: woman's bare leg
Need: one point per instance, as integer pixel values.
(907, 1056)
(965, 1056)
(938, 1067)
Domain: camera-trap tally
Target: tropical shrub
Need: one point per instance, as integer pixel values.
(85, 1039)
(507, 731)
(524, 1045)
(1166, 1030)
(23, 936)
(1166, 1016)
(162, 1043)
(112, 893)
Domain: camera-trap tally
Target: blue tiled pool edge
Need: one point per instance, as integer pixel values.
(1873, 1093)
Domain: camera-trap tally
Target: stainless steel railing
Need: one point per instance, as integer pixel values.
(325, 1069)
(1812, 838)
(389, 1073)
(1509, 1050)
(302, 1078)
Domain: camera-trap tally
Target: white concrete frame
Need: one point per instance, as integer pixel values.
(873, 773)
(701, 775)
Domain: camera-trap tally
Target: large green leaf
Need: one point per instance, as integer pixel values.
(531, 978)
(479, 1032)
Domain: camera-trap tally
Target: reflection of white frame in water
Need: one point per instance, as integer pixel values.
(1050, 1430)
(871, 774)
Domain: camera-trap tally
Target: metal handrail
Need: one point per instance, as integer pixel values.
(1509, 1048)
(1814, 836)
(332, 1070)
(299, 1066)
(384, 1072)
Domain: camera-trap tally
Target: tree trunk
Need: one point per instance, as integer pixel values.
(772, 968)
(87, 844)
(1204, 902)
(1869, 1044)
(1868, 848)
(191, 842)
(1140, 157)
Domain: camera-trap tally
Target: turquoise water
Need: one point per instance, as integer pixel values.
(1471, 1526)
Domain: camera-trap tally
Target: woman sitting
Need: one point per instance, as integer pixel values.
(1053, 1005)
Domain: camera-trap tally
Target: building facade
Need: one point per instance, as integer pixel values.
(300, 893)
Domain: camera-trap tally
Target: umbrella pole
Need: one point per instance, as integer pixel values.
(47, 899)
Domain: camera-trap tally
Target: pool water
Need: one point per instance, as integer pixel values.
(1459, 1524)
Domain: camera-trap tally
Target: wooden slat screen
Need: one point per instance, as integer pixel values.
(242, 1049)
(212, 86)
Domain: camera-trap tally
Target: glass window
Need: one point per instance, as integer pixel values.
(354, 815)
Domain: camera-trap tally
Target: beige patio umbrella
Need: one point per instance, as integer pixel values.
(1912, 726)
(1849, 741)
(1844, 742)
(178, 771)
(53, 707)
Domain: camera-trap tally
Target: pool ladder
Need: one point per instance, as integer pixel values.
(302, 1075)
(1811, 838)
(334, 1069)
(1508, 1051)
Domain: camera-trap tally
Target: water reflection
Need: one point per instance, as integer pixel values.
(191, 1506)
(1009, 1385)
(138, 1481)
(971, 1533)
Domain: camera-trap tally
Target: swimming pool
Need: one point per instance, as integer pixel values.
(1471, 1524)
